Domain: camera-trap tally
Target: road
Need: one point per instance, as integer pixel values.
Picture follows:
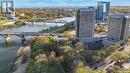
(106, 63)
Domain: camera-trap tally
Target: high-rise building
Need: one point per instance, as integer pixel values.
(8, 8)
(85, 22)
(118, 27)
(107, 13)
(103, 10)
(99, 15)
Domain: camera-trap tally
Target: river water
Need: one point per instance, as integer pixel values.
(8, 53)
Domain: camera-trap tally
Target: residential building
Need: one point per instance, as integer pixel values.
(85, 22)
(118, 27)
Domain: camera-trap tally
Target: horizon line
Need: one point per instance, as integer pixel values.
(71, 6)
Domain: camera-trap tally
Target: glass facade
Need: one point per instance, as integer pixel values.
(85, 22)
(101, 13)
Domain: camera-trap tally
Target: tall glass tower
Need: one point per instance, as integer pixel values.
(103, 10)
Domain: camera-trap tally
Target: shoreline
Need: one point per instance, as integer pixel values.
(9, 26)
(21, 60)
(8, 23)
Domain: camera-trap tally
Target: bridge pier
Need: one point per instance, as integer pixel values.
(7, 39)
(22, 38)
(44, 23)
(33, 23)
(56, 24)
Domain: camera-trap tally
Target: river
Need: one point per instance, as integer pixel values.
(8, 53)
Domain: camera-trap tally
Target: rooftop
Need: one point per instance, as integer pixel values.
(120, 15)
(87, 9)
(95, 45)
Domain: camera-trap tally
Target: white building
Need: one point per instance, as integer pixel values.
(118, 27)
(85, 23)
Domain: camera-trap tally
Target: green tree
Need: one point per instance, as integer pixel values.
(41, 58)
(1, 27)
(119, 70)
(114, 47)
(83, 69)
(43, 45)
(19, 23)
(66, 50)
(80, 47)
(68, 34)
(2, 18)
(119, 56)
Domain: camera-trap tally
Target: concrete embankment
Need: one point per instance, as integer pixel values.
(23, 56)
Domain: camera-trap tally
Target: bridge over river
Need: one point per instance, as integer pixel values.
(57, 21)
(47, 21)
(22, 35)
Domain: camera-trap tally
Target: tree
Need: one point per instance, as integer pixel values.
(41, 58)
(67, 64)
(43, 45)
(83, 69)
(107, 51)
(24, 17)
(19, 23)
(1, 27)
(68, 34)
(52, 56)
(119, 70)
(66, 50)
(2, 18)
(97, 71)
(114, 47)
(119, 56)
(80, 47)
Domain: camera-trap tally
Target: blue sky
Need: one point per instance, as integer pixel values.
(65, 3)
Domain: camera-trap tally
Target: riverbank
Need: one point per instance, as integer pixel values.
(22, 58)
(4, 21)
(10, 25)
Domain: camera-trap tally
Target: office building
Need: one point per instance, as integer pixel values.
(118, 27)
(85, 22)
(103, 10)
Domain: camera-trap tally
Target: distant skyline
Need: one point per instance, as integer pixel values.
(66, 3)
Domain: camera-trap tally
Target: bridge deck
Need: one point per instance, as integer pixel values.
(47, 21)
(27, 33)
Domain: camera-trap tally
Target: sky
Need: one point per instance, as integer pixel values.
(66, 3)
